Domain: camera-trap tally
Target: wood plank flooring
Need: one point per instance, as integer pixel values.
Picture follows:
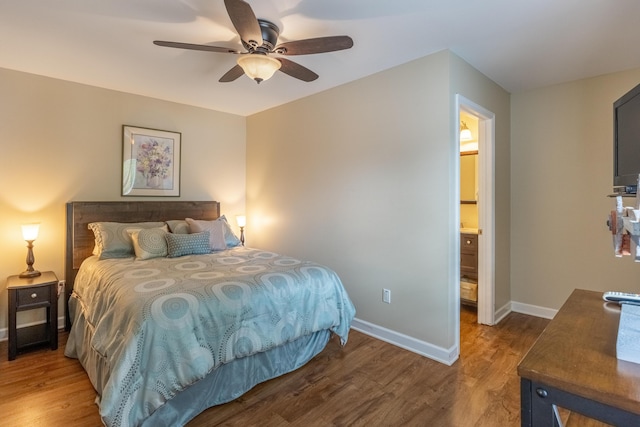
(366, 383)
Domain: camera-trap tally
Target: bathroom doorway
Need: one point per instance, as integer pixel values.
(469, 228)
(478, 199)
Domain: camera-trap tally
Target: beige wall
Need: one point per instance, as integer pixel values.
(562, 144)
(357, 178)
(62, 141)
(362, 179)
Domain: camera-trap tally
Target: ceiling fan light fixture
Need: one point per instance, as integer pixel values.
(259, 67)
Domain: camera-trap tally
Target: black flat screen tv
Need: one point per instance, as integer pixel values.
(626, 141)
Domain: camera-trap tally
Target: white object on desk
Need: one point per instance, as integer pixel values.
(628, 344)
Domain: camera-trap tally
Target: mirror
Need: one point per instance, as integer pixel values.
(468, 177)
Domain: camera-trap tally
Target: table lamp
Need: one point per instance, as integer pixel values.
(242, 222)
(29, 234)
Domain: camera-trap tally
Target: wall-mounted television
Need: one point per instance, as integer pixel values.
(626, 141)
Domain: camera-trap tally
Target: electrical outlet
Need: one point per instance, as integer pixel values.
(386, 296)
(61, 285)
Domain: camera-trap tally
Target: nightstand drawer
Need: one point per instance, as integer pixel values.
(29, 297)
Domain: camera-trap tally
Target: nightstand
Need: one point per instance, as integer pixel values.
(29, 294)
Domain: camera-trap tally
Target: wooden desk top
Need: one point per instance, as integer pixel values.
(577, 353)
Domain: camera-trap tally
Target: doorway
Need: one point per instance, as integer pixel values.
(483, 123)
(469, 228)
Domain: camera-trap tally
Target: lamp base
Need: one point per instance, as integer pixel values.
(28, 274)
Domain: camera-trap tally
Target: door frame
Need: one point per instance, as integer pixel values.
(486, 206)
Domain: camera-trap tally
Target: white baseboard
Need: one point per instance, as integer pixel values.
(439, 354)
(502, 312)
(4, 332)
(533, 310)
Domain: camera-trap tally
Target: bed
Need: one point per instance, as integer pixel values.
(165, 335)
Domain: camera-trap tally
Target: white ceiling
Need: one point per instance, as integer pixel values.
(520, 44)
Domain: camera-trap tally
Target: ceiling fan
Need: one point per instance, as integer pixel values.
(259, 38)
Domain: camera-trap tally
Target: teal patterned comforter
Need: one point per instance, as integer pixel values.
(162, 324)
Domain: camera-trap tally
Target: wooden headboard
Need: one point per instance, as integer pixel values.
(80, 240)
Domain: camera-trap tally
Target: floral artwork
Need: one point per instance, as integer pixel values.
(150, 162)
(154, 162)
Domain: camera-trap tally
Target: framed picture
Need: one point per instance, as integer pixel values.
(150, 162)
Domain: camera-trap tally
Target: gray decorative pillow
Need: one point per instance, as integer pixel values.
(187, 244)
(215, 229)
(178, 226)
(112, 239)
(149, 243)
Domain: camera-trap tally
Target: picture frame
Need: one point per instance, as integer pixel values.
(150, 162)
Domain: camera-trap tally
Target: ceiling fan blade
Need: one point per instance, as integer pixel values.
(245, 22)
(232, 74)
(296, 70)
(317, 45)
(190, 46)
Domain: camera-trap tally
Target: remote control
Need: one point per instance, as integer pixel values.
(621, 297)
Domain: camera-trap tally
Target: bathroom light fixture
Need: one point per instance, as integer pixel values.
(242, 222)
(465, 133)
(259, 67)
(29, 234)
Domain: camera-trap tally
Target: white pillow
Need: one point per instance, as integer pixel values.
(149, 242)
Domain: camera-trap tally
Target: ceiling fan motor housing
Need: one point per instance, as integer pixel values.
(270, 33)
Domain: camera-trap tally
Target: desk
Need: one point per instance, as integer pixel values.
(573, 365)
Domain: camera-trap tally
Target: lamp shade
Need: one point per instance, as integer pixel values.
(30, 231)
(241, 220)
(465, 133)
(259, 67)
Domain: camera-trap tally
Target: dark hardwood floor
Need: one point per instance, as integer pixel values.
(366, 383)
